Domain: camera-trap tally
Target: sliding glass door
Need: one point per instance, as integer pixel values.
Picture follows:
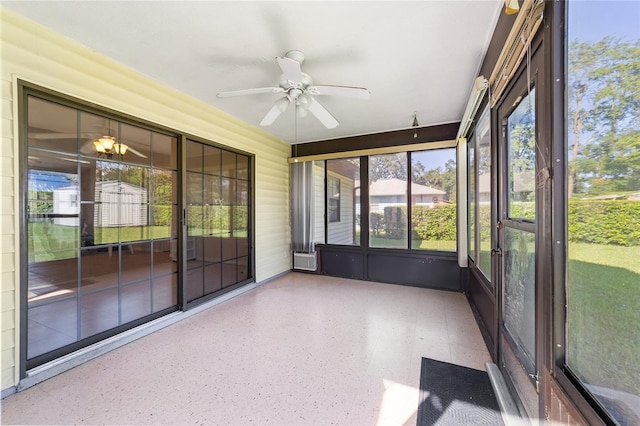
(104, 247)
(101, 218)
(217, 242)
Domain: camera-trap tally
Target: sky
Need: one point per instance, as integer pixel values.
(594, 19)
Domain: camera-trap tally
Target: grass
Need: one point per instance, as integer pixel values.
(382, 241)
(603, 314)
(49, 242)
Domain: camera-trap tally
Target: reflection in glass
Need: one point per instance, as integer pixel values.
(229, 273)
(162, 260)
(217, 219)
(603, 201)
(195, 211)
(194, 282)
(243, 268)
(165, 151)
(99, 268)
(471, 176)
(90, 220)
(228, 164)
(433, 200)
(242, 171)
(135, 301)
(194, 157)
(165, 292)
(135, 262)
(483, 139)
(51, 326)
(343, 205)
(521, 140)
(519, 298)
(212, 278)
(58, 135)
(53, 208)
(138, 142)
(212, 159)
(388, 201)
(98, 312)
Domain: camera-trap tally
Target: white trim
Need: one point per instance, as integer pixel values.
(462, 203)
(376, 151)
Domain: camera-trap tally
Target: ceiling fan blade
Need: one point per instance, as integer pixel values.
(278, 108)
(255, 91)
(322, 114)
(56, 135)
(138, 153)
(346, 91)
(290, 70)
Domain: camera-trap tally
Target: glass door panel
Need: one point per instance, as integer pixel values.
(521, 138)
(519, 259)
(218, 198)
(98, 245)
(483, 140)
(517, 237)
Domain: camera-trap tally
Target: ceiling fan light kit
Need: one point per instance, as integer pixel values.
(107, 147)
(299, 89)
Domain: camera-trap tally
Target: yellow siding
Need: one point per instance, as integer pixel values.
(37, 55)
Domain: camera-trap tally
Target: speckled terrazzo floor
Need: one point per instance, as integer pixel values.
(299, 350)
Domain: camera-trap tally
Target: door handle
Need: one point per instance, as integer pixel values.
(496, 251)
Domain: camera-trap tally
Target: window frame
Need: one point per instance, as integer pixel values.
(333, 211)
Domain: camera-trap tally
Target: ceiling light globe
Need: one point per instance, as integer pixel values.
(98, 145)
(107, 142)
(304, 101)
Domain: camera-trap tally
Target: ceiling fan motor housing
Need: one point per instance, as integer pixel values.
(296, 55)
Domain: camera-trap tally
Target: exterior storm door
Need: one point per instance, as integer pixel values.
(518, 238)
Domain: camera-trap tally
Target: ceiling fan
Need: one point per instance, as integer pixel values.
(298, 88)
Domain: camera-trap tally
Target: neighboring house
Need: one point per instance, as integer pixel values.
(393, 192)
(341, 206)
(66, 204)
(116, 204)
(523, 183)
(120, 204)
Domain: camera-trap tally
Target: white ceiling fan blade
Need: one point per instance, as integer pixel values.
(290, 70)
(346, 91)
(278, 108)
(138, 153)
(55, 135)
(255, 91)
(322, 114)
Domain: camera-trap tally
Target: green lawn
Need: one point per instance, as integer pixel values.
(603, 295)
(54, 242)
(383, 242)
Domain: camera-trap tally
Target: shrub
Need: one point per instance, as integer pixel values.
(435, 223)
(615, 222)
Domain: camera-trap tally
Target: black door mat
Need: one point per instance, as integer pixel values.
(455, 395)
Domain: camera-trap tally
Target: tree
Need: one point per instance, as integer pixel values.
(439, 178)
(604, 114)
(388, 167)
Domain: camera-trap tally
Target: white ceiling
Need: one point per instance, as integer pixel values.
(417, 56)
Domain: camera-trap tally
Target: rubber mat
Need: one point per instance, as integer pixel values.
(454, 395)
